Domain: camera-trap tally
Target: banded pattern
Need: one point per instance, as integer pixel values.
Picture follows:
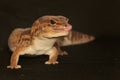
(74, 38)
(19, 37)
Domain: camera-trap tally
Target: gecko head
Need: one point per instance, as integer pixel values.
(51, 26)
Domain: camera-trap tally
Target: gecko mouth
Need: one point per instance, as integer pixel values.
(63, 29)
(58, 31)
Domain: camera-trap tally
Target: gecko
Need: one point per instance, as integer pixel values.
(45, 37)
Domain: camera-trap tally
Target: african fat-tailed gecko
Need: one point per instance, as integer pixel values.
(45, 37)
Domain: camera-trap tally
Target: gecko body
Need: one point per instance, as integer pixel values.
(45, 37)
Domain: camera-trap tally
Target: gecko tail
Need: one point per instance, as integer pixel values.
(74, 38)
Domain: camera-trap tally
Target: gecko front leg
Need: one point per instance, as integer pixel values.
(53, 54)
(14, 59)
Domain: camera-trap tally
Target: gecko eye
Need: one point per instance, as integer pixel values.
(52, 22)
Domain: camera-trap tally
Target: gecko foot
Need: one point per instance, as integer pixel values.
(14, 67)
(63, 53)
(51, 62)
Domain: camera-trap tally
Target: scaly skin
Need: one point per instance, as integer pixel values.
(45, 36)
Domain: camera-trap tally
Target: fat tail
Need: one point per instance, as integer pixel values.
(74, 38)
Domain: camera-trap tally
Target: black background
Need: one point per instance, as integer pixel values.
(97, 60)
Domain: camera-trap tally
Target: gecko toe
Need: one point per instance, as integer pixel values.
(14, 67)
(51, 62)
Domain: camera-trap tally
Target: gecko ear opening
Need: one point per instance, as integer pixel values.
(36, 29)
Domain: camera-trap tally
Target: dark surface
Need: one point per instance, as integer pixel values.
(98, 60)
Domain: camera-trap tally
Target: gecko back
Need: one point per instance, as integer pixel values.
(15, 37)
